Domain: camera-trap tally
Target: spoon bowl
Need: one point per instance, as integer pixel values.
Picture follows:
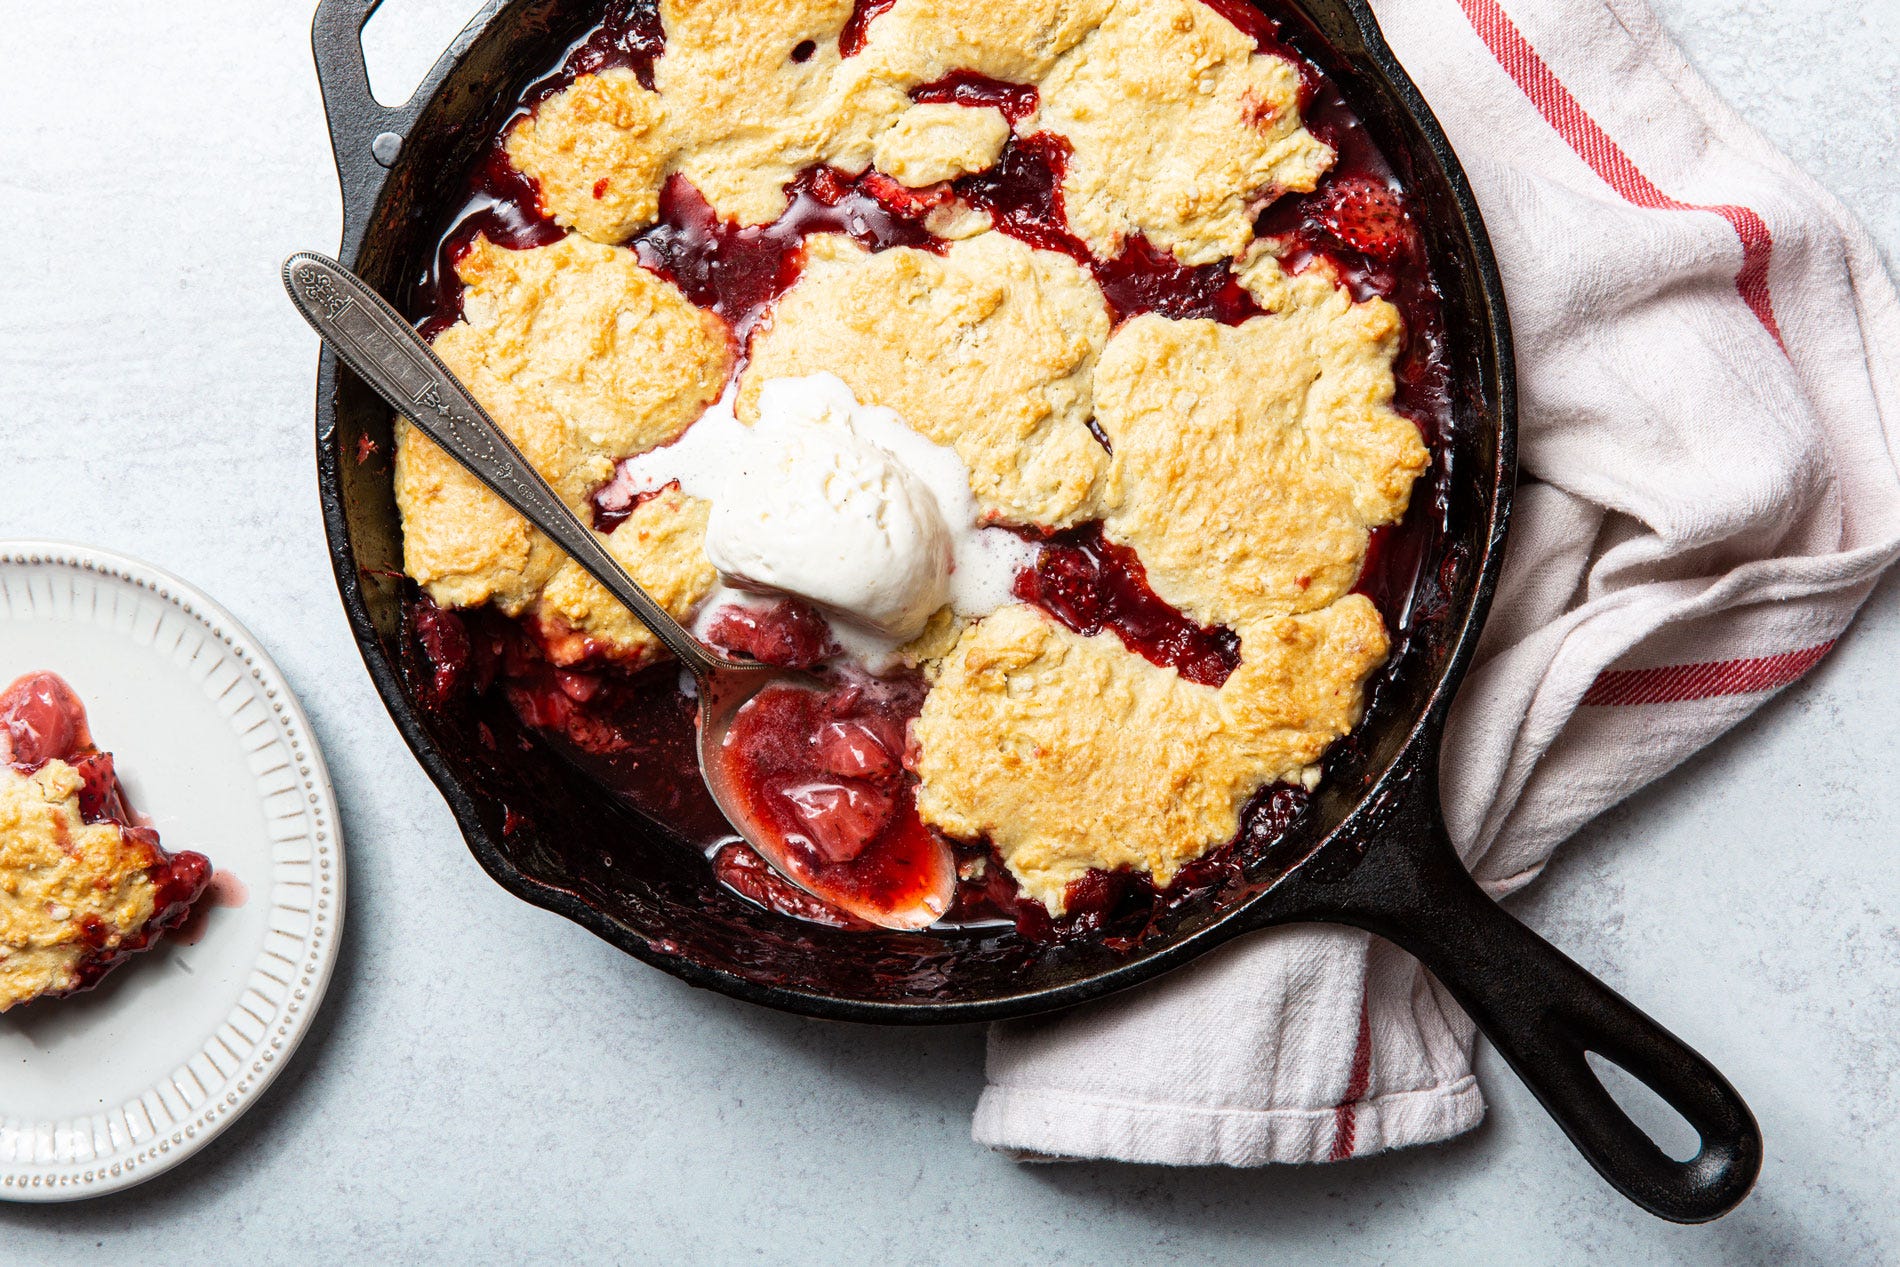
(387, 353)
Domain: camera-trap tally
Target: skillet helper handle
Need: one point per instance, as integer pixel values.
(365, 134)
(1541, 1011)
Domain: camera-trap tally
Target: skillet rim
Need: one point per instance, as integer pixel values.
(1416, 752)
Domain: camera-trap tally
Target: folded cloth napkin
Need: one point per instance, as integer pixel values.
(1707, 349)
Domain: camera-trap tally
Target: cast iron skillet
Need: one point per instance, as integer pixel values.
(1371, 851)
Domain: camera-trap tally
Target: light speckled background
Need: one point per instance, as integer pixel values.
(490, 1083)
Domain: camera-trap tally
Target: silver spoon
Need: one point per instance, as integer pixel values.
(372, 339)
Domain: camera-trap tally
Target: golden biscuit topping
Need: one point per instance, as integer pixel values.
(1179, 130)
(1286, 421)
(932, 143)
(600, 150)
(582, 357)
(62, 881)
(1070, 754)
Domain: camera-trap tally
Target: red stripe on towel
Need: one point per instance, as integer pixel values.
(1675, 683)
(1345, 1119)
(1606, 158)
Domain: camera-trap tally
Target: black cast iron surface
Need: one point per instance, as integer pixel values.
(1371, 851)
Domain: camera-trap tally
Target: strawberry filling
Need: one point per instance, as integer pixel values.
(821, 772)
(42, 720)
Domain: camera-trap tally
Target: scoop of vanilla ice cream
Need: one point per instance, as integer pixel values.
(814, 509)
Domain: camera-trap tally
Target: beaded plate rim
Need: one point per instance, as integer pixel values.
(259, 1061)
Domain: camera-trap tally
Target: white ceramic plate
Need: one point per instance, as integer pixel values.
(103, 1090)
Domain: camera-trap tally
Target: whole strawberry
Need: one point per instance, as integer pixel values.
(1366, 216)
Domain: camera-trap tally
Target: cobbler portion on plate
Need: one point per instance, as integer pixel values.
(1052, 377)
(82, 886)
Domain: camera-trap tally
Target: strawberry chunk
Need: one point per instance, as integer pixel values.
(788, 634)
(855, 750)
(840, 819)
(99, 800)
(1366, 216)
(739, 867)
(41, 720)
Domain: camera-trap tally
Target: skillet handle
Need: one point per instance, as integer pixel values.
(1539, 1009)
(356, 118)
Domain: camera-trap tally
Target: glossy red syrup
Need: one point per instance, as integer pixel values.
(967, 88)
(742, 870)
(737, 270)
(858, 28)
(1023, 194)
(632, 731)
(822, 772)
(630, 38)
(1145, 279)
(502, 205)
(42, 720)
(1089, 583)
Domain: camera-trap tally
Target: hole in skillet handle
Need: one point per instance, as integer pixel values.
(1666, 1128)
(366, 135)
(403, 39)
(1397, 875)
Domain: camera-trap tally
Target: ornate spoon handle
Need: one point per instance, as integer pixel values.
(386, 352)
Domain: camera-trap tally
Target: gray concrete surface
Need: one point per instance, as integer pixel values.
(488, 1083)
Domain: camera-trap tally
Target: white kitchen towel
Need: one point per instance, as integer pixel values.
(1707, 349)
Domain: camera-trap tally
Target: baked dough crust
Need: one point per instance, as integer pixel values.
(59, 874)
(582, 357)
(921, 41)
(745, 116)
(662, 546)
(1250, 461)
(1180, 131)
(989, 348)
(1070, 753)
(931, 143)
(623, 357)
(599, 151)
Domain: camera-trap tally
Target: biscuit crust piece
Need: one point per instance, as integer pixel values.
(599, 152)
(989, 348)
(62, 880)
(921, 41)
(582, 357)
(662, 546)
(1180, 131)
(731, 109)
(1251, 461)
(747, 115)
(930, 143)
(460, 542)
(1071, 753)
(624, 359)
